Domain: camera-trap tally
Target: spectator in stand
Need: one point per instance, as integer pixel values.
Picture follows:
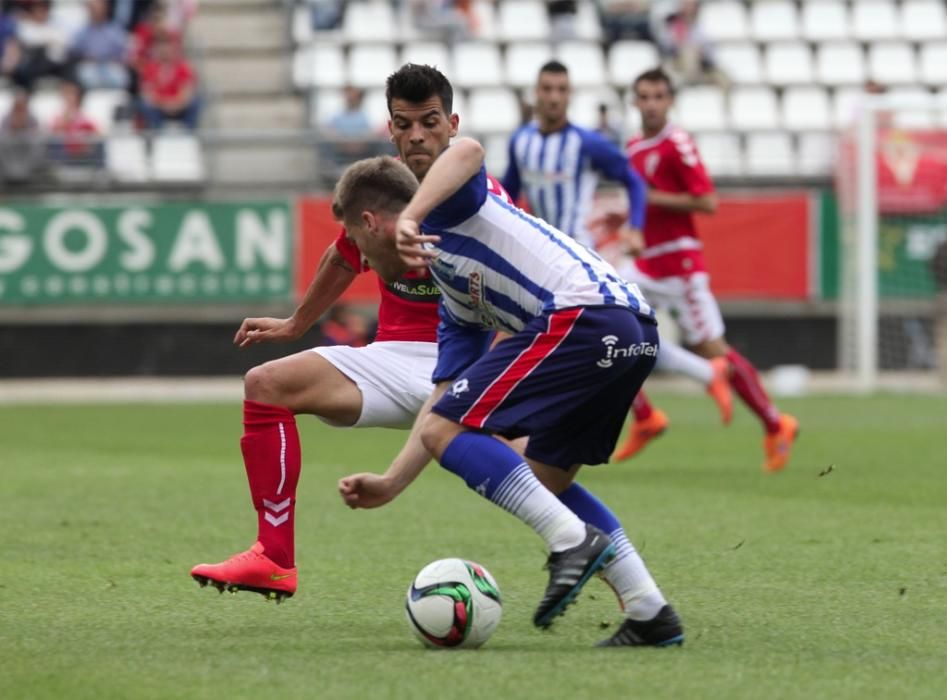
(562, 19)
(688, 53)
(9, 48)
(452, 20)
(101, 50)
(129, 13)
(326, 14)
(22, 145)
(625, 19)
(606, 128)
(350, 133)
(168, 87)
(44, 45)
(75, 137)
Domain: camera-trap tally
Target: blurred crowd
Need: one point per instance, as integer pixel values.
(132, 46)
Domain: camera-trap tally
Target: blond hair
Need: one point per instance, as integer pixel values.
(380, 184)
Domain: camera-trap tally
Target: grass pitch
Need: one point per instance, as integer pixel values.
(827, 580)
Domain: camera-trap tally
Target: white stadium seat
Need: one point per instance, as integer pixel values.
(375, 106)
(100, 106)
(724, 20)
(492, 110)
(585, 62)
(788, 63)
(302, 24)
(46, 106)
(940, 98)
(71, 16)
(497, 154)
(923, 19)
(840, 64)
(873, 20)
(825, 20)
(753, 108)
(370, 64)
(321, 65)
(770, 153)
(627, 59)
(523, 61)
(476, 64)
(430, 53)
(126, 158)
(6, 101)
(845, 106)
(740, 62)
(325, 104)
(923, 115)
(892, 63)
(583, 107)
(774, 20)
(587, 23)
(806, 109)
(486, 14)
(702, 109)
(176, 158)
(720, 153)
(523, 20)
(816, 154)
(933, 67)
(368, 21)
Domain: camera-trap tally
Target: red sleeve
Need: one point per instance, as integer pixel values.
(690, 167)
(349, 252)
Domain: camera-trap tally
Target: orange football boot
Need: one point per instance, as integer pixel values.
(719, 388)
(641, 433)
(249, 571)
(778, 445)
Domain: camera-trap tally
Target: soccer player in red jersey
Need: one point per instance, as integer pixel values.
(669, 262)
(383, 384)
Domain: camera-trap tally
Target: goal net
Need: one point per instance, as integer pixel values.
(891, 178)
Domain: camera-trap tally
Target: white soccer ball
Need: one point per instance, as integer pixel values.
(453, 603)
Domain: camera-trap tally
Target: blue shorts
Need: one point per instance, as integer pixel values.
(567, 381)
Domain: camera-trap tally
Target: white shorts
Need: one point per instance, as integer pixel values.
(393, 376)
(687, 298)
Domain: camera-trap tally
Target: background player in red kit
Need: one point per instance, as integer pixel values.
(669, 264)
(383, 384)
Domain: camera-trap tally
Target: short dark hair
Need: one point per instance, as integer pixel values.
(380, 184)
(414, 82)
(654, 75)
(554, 66)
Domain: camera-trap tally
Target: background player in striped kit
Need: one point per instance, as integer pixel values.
(581, 342)
(557, 165)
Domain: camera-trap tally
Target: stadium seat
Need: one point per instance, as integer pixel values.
(523, 20)
(325, 104)
(587, 24)
(375, 106)
(825, 20)
(770, 153)
(71, 16)
(523, 61)
(741, 63)
(933, 69)
(6, 101)
(845, 106)
(873, 20)
(373, 20)
(476, 64)
(774, 20)
(302, 25)
(920, 110)
(720, 153)
(370, 64)
(585, 62)
(753, 108)
(840, 63)
(816, 154)
(892, 63)
(923, 19)
(321, 65)
(493, 110)
(497, 154)
(627, 59)
(702, 109)
(485, 12)
(632, 117)
(583, 107)
(724, 20)
(176, 158)
(46, 106)
(431, 53)
(126, 158)
(806, 109)
(100, 106)
(788, 63)
(940, 99)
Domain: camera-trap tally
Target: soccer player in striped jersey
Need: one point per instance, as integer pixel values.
(581, 342)
(556, 165)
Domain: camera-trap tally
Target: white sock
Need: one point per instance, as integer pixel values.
(640, 596)
(674, 358)
(522, 494)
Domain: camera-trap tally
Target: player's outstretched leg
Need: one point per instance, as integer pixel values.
(497, 473)
(649, 619)
(271, 455)
(648, 423)
(713, 374)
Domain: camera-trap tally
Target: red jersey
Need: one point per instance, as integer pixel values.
(167, 81)
(409, 306)
(669, 162)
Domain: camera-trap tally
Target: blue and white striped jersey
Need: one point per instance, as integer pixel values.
(559, 171)
(498, 267)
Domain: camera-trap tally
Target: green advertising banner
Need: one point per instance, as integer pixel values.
(168, 253)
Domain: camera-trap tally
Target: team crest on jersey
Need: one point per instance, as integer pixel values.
(651, 162)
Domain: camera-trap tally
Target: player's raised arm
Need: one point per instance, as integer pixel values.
(450, 172)
(609, 160)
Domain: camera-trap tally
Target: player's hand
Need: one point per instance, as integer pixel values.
(366, 490)
(267, 330)
(414, 247)
(632, 240)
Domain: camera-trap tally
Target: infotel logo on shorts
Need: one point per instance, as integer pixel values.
(613, 352)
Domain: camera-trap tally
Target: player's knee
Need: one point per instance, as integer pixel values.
(436, 434)
(262, 384)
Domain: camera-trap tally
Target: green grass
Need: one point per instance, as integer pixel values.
(793, 585)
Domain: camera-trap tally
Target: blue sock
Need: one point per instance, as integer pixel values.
(589, 508)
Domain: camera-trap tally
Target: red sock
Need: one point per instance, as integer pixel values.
(271, 455)
(746, 382)
(641, 407)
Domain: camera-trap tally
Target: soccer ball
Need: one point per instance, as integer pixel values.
(453, 603)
